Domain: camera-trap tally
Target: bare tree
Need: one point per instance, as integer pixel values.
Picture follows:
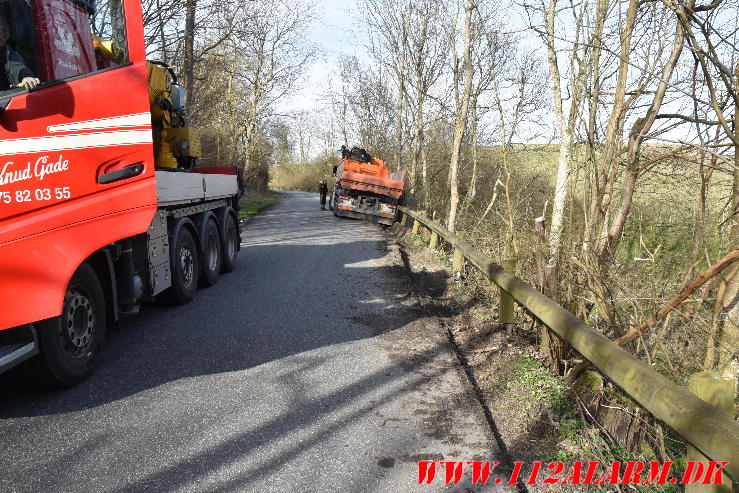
(576, 75)
(461, 119)
(390, 21)
(270, 42)
(493, 55)
(371, 102)
(426, 48)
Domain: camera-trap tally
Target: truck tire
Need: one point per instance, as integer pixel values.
(184, 264)
(333, 199)
(230, 242)
(71, 344)
(331, 203)
(212, 252)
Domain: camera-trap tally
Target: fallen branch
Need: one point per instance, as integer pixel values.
(686, 291)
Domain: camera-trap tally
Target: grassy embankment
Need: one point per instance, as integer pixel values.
(303, 177)
(536, 413)
(252, 202)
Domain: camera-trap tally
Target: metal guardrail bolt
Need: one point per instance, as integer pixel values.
(720, 392)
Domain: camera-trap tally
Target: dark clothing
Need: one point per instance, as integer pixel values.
(323, 190)
(19, 13)
(12, 68)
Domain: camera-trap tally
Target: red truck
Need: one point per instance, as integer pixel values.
(102, 205)
(365, 188)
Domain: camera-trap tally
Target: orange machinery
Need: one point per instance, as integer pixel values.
(365, 187)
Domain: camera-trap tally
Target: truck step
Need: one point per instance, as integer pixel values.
(14, 354)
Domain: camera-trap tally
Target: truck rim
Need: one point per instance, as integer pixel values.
(79, 324)
(186, 265)
(231, 242)
(213, 247)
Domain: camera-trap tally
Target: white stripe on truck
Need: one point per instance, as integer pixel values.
(71, 142)
(123, 121)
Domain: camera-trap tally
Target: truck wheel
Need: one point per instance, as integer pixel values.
(230, 243)
(71, 344)
(331, 203)
(211, 253)
(184, 262)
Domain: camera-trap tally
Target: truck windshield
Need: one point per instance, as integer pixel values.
(53, 40)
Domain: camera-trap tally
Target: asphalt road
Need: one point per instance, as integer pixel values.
(306, 369)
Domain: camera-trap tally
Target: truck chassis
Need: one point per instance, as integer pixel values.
(363, 205)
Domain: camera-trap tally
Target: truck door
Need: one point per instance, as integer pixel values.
(76, 161)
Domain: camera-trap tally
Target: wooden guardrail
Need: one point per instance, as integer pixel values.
(715, 434)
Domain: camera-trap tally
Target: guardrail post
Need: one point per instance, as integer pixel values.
(458, 263)
(507, 317)
(404, 219)
(434, 240)
(720, 392)
(416, 224)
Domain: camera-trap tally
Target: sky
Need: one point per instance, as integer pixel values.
(333, 38)
(337, 32)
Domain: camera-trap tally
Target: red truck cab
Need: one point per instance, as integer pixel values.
(77, 177)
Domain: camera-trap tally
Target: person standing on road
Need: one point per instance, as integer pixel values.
(323, 190)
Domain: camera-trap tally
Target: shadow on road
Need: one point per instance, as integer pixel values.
(262, 312)
(262, 344)
(301, 283)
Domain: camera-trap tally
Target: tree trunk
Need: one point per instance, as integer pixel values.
(551, 346)
(600, 199)
(461, 123)
(595, 236)
(729, 338)
(425, 179)
(251, 167)
(560, 189)
(188, 65)
(560, 195)
(636, 137)
(419, 140)
(472, 191)
(399, 122)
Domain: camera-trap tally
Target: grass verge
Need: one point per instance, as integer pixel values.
(251, 203)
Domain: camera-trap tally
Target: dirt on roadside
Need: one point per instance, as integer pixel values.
(532, 411)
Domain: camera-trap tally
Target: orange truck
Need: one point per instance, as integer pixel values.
(365, 188)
